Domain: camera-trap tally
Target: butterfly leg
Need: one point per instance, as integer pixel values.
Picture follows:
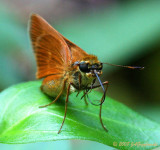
(56, 97)
(80, 80)
(100, 116)
(85, 98)
(96, 86)
(89, 89)
(100, 112)
(66, 102)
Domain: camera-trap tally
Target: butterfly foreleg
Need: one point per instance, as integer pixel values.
(97, 86)
(84, 95)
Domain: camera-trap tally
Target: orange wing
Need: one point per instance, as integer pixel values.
(76, 52)
(52, 53)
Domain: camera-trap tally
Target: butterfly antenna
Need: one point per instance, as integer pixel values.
(130, 67)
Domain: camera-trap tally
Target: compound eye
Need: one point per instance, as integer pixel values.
(83, 66)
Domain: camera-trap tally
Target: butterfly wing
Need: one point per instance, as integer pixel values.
(77, 53)
(52, 53)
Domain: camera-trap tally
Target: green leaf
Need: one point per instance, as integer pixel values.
(22, 121)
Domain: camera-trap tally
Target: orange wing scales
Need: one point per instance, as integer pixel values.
(51, 51)
(49, 60)
(76, 51)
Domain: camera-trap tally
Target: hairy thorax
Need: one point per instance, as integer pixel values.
(80, 81)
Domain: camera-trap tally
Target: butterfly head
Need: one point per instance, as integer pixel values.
(89, 65)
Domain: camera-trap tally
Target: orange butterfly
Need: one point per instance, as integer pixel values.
(65, 67)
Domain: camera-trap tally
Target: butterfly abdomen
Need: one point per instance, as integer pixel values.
(52, 86)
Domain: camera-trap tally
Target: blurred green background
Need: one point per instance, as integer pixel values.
(117, 31)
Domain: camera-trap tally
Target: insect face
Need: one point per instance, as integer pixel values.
(89, 68)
